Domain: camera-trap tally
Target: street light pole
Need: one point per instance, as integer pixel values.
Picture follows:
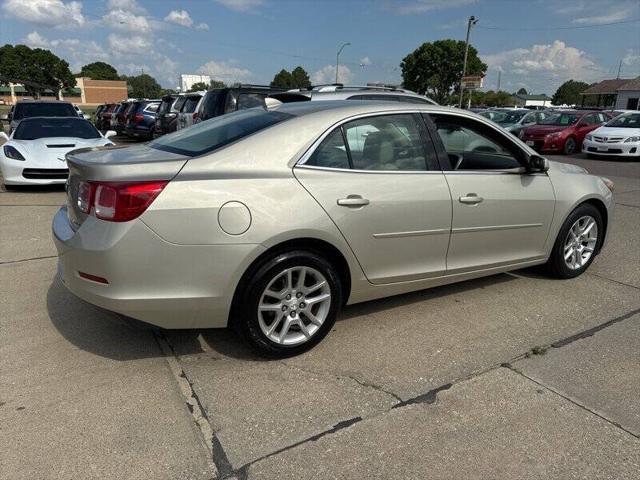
(338, 58)
(472, 21)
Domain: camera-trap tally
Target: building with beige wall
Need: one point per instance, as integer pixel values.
(86, 92)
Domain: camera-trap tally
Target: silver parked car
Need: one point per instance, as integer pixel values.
(271, 220)
(352, 92)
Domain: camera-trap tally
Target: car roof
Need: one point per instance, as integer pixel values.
(42, 101)
(355, 107)
(48, 119)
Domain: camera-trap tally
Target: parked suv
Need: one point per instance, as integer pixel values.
(103, 117)
(219, 101)
(140, 119)
(352, 92)
(188, 112)
(117, 117)
(167, 115)
(39, 108)
(563, 131)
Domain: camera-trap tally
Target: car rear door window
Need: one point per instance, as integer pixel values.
(331, 153)
(178, 104)
(190, 104)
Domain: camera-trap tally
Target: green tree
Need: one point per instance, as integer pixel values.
(522, 91)
(282, 79)
(217, 84)
(298, 78)
(569, 93)
(142, 86)
(37, 69)
(435, 68)
(198, 86)
(99, 71)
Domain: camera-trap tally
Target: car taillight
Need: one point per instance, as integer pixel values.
(118, 201)
(138, 117)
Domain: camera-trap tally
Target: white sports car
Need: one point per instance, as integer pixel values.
(35, 152)
(619, 137)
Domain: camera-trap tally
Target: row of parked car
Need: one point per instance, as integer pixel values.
(595, 132)
(150, 118)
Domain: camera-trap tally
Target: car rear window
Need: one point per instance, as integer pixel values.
(25, 110)
(178, 105)
(34, 128)
(210, 105)
(218, 132)
(190, 104)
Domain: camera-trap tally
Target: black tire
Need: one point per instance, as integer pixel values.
(556, 265)
(245, 312)
(570, 146)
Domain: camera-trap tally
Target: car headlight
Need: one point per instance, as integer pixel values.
(553, 135)
(610, 185)
(11, 152)
(632, 139)
(589, 137)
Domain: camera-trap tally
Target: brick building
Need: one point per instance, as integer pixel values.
(86, 92)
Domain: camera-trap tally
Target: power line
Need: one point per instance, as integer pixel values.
(574, 27)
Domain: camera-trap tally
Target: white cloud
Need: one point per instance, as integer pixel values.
(202, 26)
(365, 62)
(46, 12)
(35, 40)
(130, 45)
(600, 19)
(127, 21)
(327, 74)
(421, 6)
(126, 5)
(132, 68)
(179, 17)
(242, 5)
(227, 71)
(167, 71)
(544, 67)
(631, 58)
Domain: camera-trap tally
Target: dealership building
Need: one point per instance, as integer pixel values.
(86, 92)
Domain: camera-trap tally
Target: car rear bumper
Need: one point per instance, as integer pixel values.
(149, 279)
(617, 149)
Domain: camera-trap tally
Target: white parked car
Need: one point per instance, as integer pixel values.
(189, 112)
(619, 137)
(34, 153)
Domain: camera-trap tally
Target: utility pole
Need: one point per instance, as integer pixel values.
(472, 21)
(499, 75)
(338, 58)
(619, 69)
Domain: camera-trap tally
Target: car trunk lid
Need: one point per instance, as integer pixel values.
(117, 164)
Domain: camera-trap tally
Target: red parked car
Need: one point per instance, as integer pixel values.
(563, 131)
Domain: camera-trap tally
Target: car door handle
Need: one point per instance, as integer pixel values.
(471, 199)
(353, 201)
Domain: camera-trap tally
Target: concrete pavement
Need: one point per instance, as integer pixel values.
(511, 376)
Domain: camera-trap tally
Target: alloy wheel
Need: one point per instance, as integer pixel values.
(580, 242)
(294, 305)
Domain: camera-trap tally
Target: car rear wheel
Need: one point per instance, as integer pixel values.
(289, 304)
(570, 146)
(577, 243)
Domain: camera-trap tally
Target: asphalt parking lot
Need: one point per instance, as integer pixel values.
(511, 376)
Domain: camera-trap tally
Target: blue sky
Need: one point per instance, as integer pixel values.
(537, 44)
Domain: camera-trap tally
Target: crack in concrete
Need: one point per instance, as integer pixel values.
(570, 399)
(9, 262)
(220, 462)
(627, 205)
(364, 383)
(429, 397)
(612, 280)
(591, 331)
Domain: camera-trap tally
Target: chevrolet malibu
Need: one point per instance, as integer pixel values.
(270, 220)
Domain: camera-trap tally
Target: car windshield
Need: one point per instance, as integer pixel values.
(32, 129)
(560, 119)
(219, 131)
(495, 116)
(24, 110)
(626, 120)
(511, 117)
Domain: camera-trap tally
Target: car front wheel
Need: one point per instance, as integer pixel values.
(570, 146)
(289, 304)
(577, 243)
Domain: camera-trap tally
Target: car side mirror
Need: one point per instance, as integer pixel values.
(538, 163)
(110, 133)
